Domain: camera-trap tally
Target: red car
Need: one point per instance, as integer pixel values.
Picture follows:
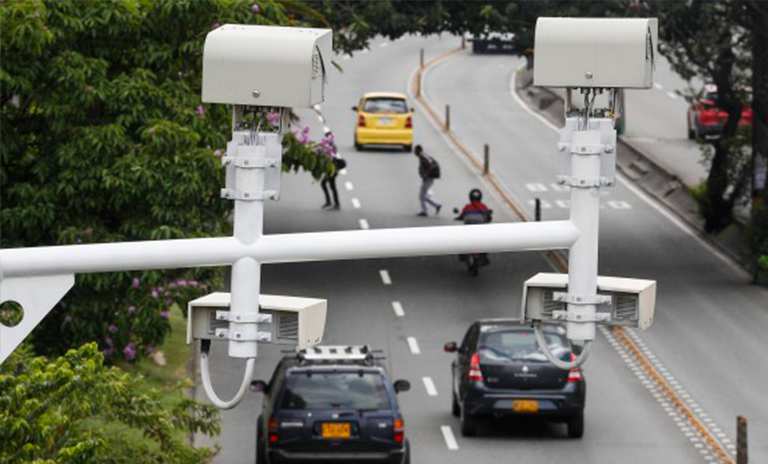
(706, 119)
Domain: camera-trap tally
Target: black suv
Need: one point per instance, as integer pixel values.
(331, 404)
(500, 371)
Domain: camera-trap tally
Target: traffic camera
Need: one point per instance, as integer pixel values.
(283, 320)
(266, 66)
(620, 301)
(595, 52)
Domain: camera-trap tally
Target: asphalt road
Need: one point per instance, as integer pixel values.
(707, 331)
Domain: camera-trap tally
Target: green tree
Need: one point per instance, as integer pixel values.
(105, 139)
(75, 410)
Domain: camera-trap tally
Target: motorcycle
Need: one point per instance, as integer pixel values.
(474, 261)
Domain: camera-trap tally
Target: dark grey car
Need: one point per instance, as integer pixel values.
(499, 371)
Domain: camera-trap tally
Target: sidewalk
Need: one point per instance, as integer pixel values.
(649, 176)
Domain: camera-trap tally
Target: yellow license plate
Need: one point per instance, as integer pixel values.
(336, 430)
(525, 406)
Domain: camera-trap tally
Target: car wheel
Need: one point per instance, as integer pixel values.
(576, 426)
(358, 147)
(691, 132)
(455, 409)
(468, 424)
(407, 458)
(261, 443)
(407, 148)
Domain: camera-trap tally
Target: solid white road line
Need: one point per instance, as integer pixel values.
(356, 203)
(398, 307)
(413, 345)
(364, 224)
(430, 386)
(385, 279)
(658, 86)
(450, 440)
(672, 95)
(348, 185)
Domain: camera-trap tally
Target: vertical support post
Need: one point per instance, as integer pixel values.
(421, 58)
(447, 117)
(463, 42)
(537, 211)
(742, 456)
(486, 159)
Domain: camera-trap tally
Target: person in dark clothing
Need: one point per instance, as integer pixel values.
(429, 170)
(329, 181)
(476, 212)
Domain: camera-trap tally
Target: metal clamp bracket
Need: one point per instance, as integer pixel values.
(235, 194)
(565, 316)
(585, 183)
(259, 318)
(248, 162)
(243, 336)
(581, 300)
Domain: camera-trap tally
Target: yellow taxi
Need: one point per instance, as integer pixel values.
(384, 118)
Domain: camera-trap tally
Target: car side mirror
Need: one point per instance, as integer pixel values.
(402, 386)
(354, 108)
(413, 110)
(450, 347)
(259, 386)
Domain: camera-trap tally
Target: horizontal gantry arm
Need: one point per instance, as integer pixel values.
(287, 248)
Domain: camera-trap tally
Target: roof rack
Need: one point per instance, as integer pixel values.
(336, 353)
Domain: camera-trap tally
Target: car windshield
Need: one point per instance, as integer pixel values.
(385, 105)
(520, 345)
(335, 390)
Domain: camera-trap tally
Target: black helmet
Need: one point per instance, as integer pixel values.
(475, 195)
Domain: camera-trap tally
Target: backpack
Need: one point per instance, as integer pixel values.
(340, 163)
(434, 169)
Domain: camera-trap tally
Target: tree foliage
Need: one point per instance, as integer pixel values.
(105, 139)
(75, 410)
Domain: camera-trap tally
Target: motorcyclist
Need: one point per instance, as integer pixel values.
(476, 212)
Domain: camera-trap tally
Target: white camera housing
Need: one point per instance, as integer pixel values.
(632, 301)
(595, 52)
(266, 65)
(288, 320)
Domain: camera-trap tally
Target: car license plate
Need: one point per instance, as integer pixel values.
(336, 430)
(525, 405)
(386, 121)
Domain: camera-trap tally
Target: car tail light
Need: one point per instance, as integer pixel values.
(399, 430)
(574, 375)
(409, 123)
(474, 368)
(361, 121)
(272, 430)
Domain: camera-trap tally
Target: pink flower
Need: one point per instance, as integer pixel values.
(182, 283)
(273, 117)
(255, 8)
(199, 110)
(109, 352)
(131, 309)
(151, 130)
(304, 139)
(216, 25)
(154, 293)
(168, 301)
(192, 283)
(218, 152)
(112, 328)
(67, 318)
(129, 351)
(165, 314)
(149, 350)
(89, 231)
(108, 341)
(135, 282)
(305, 130)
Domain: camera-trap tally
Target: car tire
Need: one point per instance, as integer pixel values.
(691, 132)
(576, 426)
(455, 408)
(358, 147)
(261, 443)
(468, 424)
(407, 148)
(407, 458)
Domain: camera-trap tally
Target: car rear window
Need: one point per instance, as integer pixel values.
(385, 105)
(519, 345)
(335, 390)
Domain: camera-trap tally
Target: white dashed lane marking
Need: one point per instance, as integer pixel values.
(536, 187)
(356, 203)
(618, 204)
(413, 345)
(348, 185)
(672, 95)
(385, 279)
(658, 86)
(544, 204)
(364, 224)
(429, 385)
(398, 308)
(450, 440)
(384, 44)
(343, 172)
